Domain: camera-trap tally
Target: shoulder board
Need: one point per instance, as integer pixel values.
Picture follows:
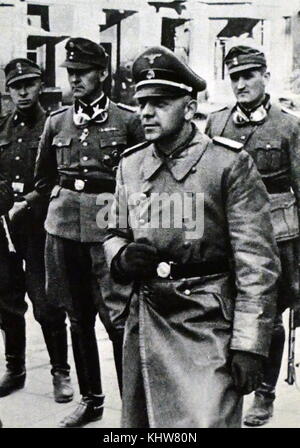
(58, 111)
(126, 107)
(221, 109)
(134, 149)
(228, 143)
(290, 112)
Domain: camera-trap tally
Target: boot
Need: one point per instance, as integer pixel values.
(89, 410)
(10, 382)
(15, 375)
(260, 412)
(56, 342)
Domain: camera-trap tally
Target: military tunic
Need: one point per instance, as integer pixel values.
(274, 145)
(75, 164)
(179, 332)
(19, 140)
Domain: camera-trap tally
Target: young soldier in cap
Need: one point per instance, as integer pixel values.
(201, 316)
(271, 137)
(20, 132)
(79, 152)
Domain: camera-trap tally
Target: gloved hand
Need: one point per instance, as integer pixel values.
(247, 371)
(138, 261)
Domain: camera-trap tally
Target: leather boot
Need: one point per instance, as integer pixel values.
(56, 342)
(15, 375)
(89, 410)
(260, 412)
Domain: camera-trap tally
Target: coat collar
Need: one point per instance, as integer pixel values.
(180, 165)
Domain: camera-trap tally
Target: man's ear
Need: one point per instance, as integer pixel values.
(103, 74)
(267, 76)
(190, 109)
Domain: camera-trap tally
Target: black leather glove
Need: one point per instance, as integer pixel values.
(138, 261)
(247, 371)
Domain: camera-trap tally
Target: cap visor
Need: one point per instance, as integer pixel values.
(78, 65)
(147, 91)
(242, 68)
(24, 76)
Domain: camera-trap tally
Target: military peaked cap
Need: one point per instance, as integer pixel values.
(21, 68)
(83, 54)
(241, 58)
(159, 72)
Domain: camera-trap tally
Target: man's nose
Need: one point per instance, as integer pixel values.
(241, 83)
(148, 109)
(23, 91)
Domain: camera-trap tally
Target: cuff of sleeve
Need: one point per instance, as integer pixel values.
(252, 332)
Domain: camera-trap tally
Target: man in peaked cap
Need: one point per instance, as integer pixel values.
(271, 136)
(182, 230)
(20, 132)
(78, 156)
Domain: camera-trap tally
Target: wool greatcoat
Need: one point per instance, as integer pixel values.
(179, 333)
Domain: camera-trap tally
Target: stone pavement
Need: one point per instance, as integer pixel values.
(34, 407)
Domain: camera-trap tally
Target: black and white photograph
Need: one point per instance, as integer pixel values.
(149, 217)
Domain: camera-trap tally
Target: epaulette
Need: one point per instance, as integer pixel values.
(228, 143)
(127, 107)
(58, 111)
(290, 112)
(220, 110)
(134, 148)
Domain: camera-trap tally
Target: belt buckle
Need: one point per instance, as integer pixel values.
(164, 269)
(79, 184)
(18, 187)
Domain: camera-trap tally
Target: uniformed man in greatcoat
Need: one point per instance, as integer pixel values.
(191, 228)
(20, 132)
(272, 137)
(78, 156)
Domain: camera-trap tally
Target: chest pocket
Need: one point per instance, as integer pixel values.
(269, 155)
(62, 146)
(112, 144)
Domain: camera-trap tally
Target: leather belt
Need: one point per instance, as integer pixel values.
(276, 187)
(176, 271)
(88, 185)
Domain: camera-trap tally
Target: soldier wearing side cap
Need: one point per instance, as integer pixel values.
(201, 315)
(78, 156)
(271, 136)
(20, 132)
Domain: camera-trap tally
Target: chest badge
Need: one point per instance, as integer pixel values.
(84, 135)
(79, 184)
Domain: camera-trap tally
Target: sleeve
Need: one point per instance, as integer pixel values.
(255, 254)
(294, 156)
(207, 130)
(6, 195)
(119, 233)
(46, 172)
(135, 131)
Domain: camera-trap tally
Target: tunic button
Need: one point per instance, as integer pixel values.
(20, 140)
(106, 158)
(85, 158)
(194, 169)
(114, 143)
(17, 157)
(243, 137)
(268, 146)
(84, 143)
(85, 170)
(15, 194)
(187, 292)
(186, 244)
(142, 221)
(22, 124)
(143, 196)
(59, 144)
(17, 176)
